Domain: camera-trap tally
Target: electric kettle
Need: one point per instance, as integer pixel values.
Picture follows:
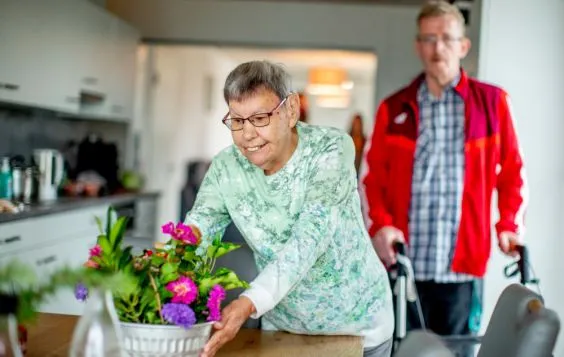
(50, 166)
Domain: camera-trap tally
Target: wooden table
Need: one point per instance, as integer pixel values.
(51, 335)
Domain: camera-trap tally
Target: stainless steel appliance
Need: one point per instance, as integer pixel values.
(29, 186)
(50, 167)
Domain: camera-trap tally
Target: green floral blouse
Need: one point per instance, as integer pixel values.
(319, 273)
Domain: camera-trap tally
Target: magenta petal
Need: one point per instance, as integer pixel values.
(184, 290)
(168, 228)
(217, 295)
(95, 251)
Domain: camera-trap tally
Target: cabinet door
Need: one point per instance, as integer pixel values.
(31, 62)
(123, 49)
(71, 253)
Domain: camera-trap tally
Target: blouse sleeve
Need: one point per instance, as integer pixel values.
(331, 181)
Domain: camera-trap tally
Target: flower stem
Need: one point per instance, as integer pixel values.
(159, 307)
(212, 265)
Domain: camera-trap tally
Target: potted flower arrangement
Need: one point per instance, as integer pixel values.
(178, 289)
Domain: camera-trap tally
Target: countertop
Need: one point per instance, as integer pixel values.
(63, 204)
(51, 335)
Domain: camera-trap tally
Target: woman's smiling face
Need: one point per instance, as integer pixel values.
(268, 147)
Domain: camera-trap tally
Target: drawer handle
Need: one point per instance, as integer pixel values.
(10, 86)
(11, 240)
(48, 260)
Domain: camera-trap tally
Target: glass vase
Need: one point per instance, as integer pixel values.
(97, 333)
(9, 345)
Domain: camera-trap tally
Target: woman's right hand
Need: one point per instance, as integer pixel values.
(233, 317)
(383, 243)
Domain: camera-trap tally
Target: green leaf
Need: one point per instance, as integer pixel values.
(228, 279)
(105, 245)
(222, 271)
(189, 255)
(109, 219)
(148, 299)
(17, 274)
(125, 258)
(168, 268)
(156, 260)
(212, 249)
(225, 248)
(99, 224)
(151, 317)
(236, 285)
(165, 279)
(205, 286)
(117, 232)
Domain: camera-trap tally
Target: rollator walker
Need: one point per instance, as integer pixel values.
(520, 325)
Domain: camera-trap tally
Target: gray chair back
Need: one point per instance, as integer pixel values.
(520, 326)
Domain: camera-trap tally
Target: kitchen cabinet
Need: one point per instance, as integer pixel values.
(51, 242)
(70, 56)
(30, 60)
(121, 72)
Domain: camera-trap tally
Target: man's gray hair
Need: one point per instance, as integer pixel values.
(249, 77)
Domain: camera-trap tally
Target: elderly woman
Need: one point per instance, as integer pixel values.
(291, 190)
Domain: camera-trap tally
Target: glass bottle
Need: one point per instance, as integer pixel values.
(5, 179)
(9, 344)
(97, 333)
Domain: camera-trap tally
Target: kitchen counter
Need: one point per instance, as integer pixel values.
(63, 204)
(51, 335)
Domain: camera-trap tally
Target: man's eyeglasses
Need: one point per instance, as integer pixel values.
(433, 40)
(258, 120)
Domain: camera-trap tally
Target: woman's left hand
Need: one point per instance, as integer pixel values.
(233, 317)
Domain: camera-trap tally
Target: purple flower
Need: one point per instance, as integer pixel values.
(179, 314)
(81, 292)
(217, 295)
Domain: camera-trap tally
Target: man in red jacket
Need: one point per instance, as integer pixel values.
(439, 148)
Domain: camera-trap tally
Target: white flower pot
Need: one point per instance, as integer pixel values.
(144, 340)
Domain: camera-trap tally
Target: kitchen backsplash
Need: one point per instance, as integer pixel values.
(22, 130)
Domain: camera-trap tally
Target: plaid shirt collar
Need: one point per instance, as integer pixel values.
(424, 95)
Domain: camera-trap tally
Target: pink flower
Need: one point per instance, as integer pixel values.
(180, 232)
(217, 295)
(95, 251)
(91, 264)
(184, 289)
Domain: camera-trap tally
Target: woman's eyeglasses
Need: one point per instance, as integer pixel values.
(258, 120)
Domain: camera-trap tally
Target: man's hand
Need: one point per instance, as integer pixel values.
(233, 317)
(508, 242)
(383, 243)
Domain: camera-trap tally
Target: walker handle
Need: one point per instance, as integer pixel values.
(399, 247)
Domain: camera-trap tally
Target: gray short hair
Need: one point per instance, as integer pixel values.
(249, 77)
(435, 8)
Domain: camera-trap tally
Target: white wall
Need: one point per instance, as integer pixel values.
(179, 117)
(522, 51)
(362, 101)
(387, 30)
